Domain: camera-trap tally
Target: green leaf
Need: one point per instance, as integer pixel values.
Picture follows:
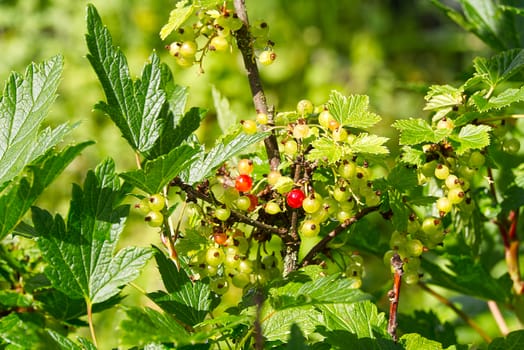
(296, 340)
(326, 150)
(500, 67)
(359, 318)
(372, 144)
(466, 276)
(204, 166)
(276, 325)
(428, 325)
(504, 99)
(512, 341)
(471, 137)
(328, 289)
(159, 172)
(23, 331)
(403, 178)
(80, 255)
(351, 111)
(189, 301)
(145, 325)
(415, 131)
(11, 299)
(225, 117)
(177, 17)
(489, 20)
(133, 106)
(415, 341)
(443, 96)
(412, 156)
(18, 198)
(61, 342)
(24, 104)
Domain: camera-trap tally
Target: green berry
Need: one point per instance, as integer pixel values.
(154, 218)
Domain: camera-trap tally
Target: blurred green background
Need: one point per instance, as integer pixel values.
(391, 50)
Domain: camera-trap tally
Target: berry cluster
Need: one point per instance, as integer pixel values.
(152, 207)
(213, 30)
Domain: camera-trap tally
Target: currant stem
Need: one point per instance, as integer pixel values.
(499, 318)
(281, 231)
(90, 321)
(244, 43)
(336, 231)
(394, 295)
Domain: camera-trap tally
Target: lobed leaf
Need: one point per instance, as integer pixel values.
(471, 137)
(80, 255)
(328, 289)
(19, 197)
(512, 341)
(276, 325)
(188, 301)
(205, 165)
(500, 67)
(177, 17)
(372, 144)
(415, 131)
(326, 150)
(360, 318)
(351, 111)
(504, 99)
(159, 172)
(145, 325)
(24, 104)
(133, 106)
(443, 96)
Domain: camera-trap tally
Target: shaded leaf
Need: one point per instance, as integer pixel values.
(189, 301)
(18, 198)
(145, 325)
(500, 67)
(512, 341)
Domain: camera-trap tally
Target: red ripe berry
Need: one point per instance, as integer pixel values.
(220, 238)
(244, 183)
(254, 202)
(295, 198)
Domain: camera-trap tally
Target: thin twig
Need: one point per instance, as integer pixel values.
(336, 231)
(245, 45)
(394, 295)
(90, 321)
(499, 318)
(459, 312)
(238, 216)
